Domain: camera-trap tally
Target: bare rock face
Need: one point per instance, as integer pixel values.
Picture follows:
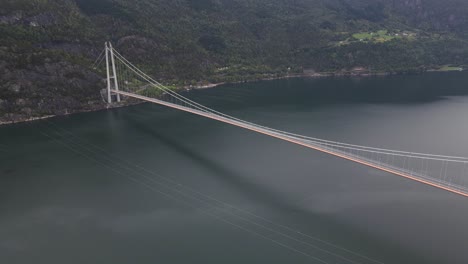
(40, 20)
(43, 19)
(16, 87)
(10, 19)
(54, 88)
(47, 47)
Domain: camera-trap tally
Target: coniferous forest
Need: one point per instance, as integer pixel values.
(47, 47)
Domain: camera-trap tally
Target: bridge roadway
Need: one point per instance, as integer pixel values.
(301, 142)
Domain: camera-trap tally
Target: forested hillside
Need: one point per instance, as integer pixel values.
(47, 46)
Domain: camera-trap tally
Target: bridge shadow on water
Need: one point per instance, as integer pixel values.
(273, 205)
(249, 188)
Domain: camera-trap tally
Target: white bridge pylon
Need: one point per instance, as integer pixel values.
(449, 173)
(110, 64)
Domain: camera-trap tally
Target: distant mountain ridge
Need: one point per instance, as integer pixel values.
(46, 46)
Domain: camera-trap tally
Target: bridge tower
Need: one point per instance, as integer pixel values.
(110, 65)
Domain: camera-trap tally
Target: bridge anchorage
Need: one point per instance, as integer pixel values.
(449, 173)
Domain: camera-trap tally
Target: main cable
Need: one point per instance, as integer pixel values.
(207, 109)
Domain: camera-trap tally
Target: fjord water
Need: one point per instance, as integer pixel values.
(86, 188)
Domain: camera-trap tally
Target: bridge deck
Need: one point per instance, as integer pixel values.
(300, 142)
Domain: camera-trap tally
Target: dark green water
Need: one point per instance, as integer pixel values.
(83, 189)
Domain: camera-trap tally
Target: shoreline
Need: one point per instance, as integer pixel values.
(97, 109)
(214, 85)
(291, 76)
(5, 123)
(316, 75)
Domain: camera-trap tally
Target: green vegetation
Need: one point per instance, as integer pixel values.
(190, 42)
(450, 68)
(362, 36)
(380, 36)
(185, 42)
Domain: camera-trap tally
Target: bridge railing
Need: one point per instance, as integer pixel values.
(441, 171)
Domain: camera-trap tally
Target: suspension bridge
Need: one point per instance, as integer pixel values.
(449, 173)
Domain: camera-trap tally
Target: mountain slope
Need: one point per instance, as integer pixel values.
(47, 46)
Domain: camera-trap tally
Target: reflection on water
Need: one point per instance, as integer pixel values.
(146, 184)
